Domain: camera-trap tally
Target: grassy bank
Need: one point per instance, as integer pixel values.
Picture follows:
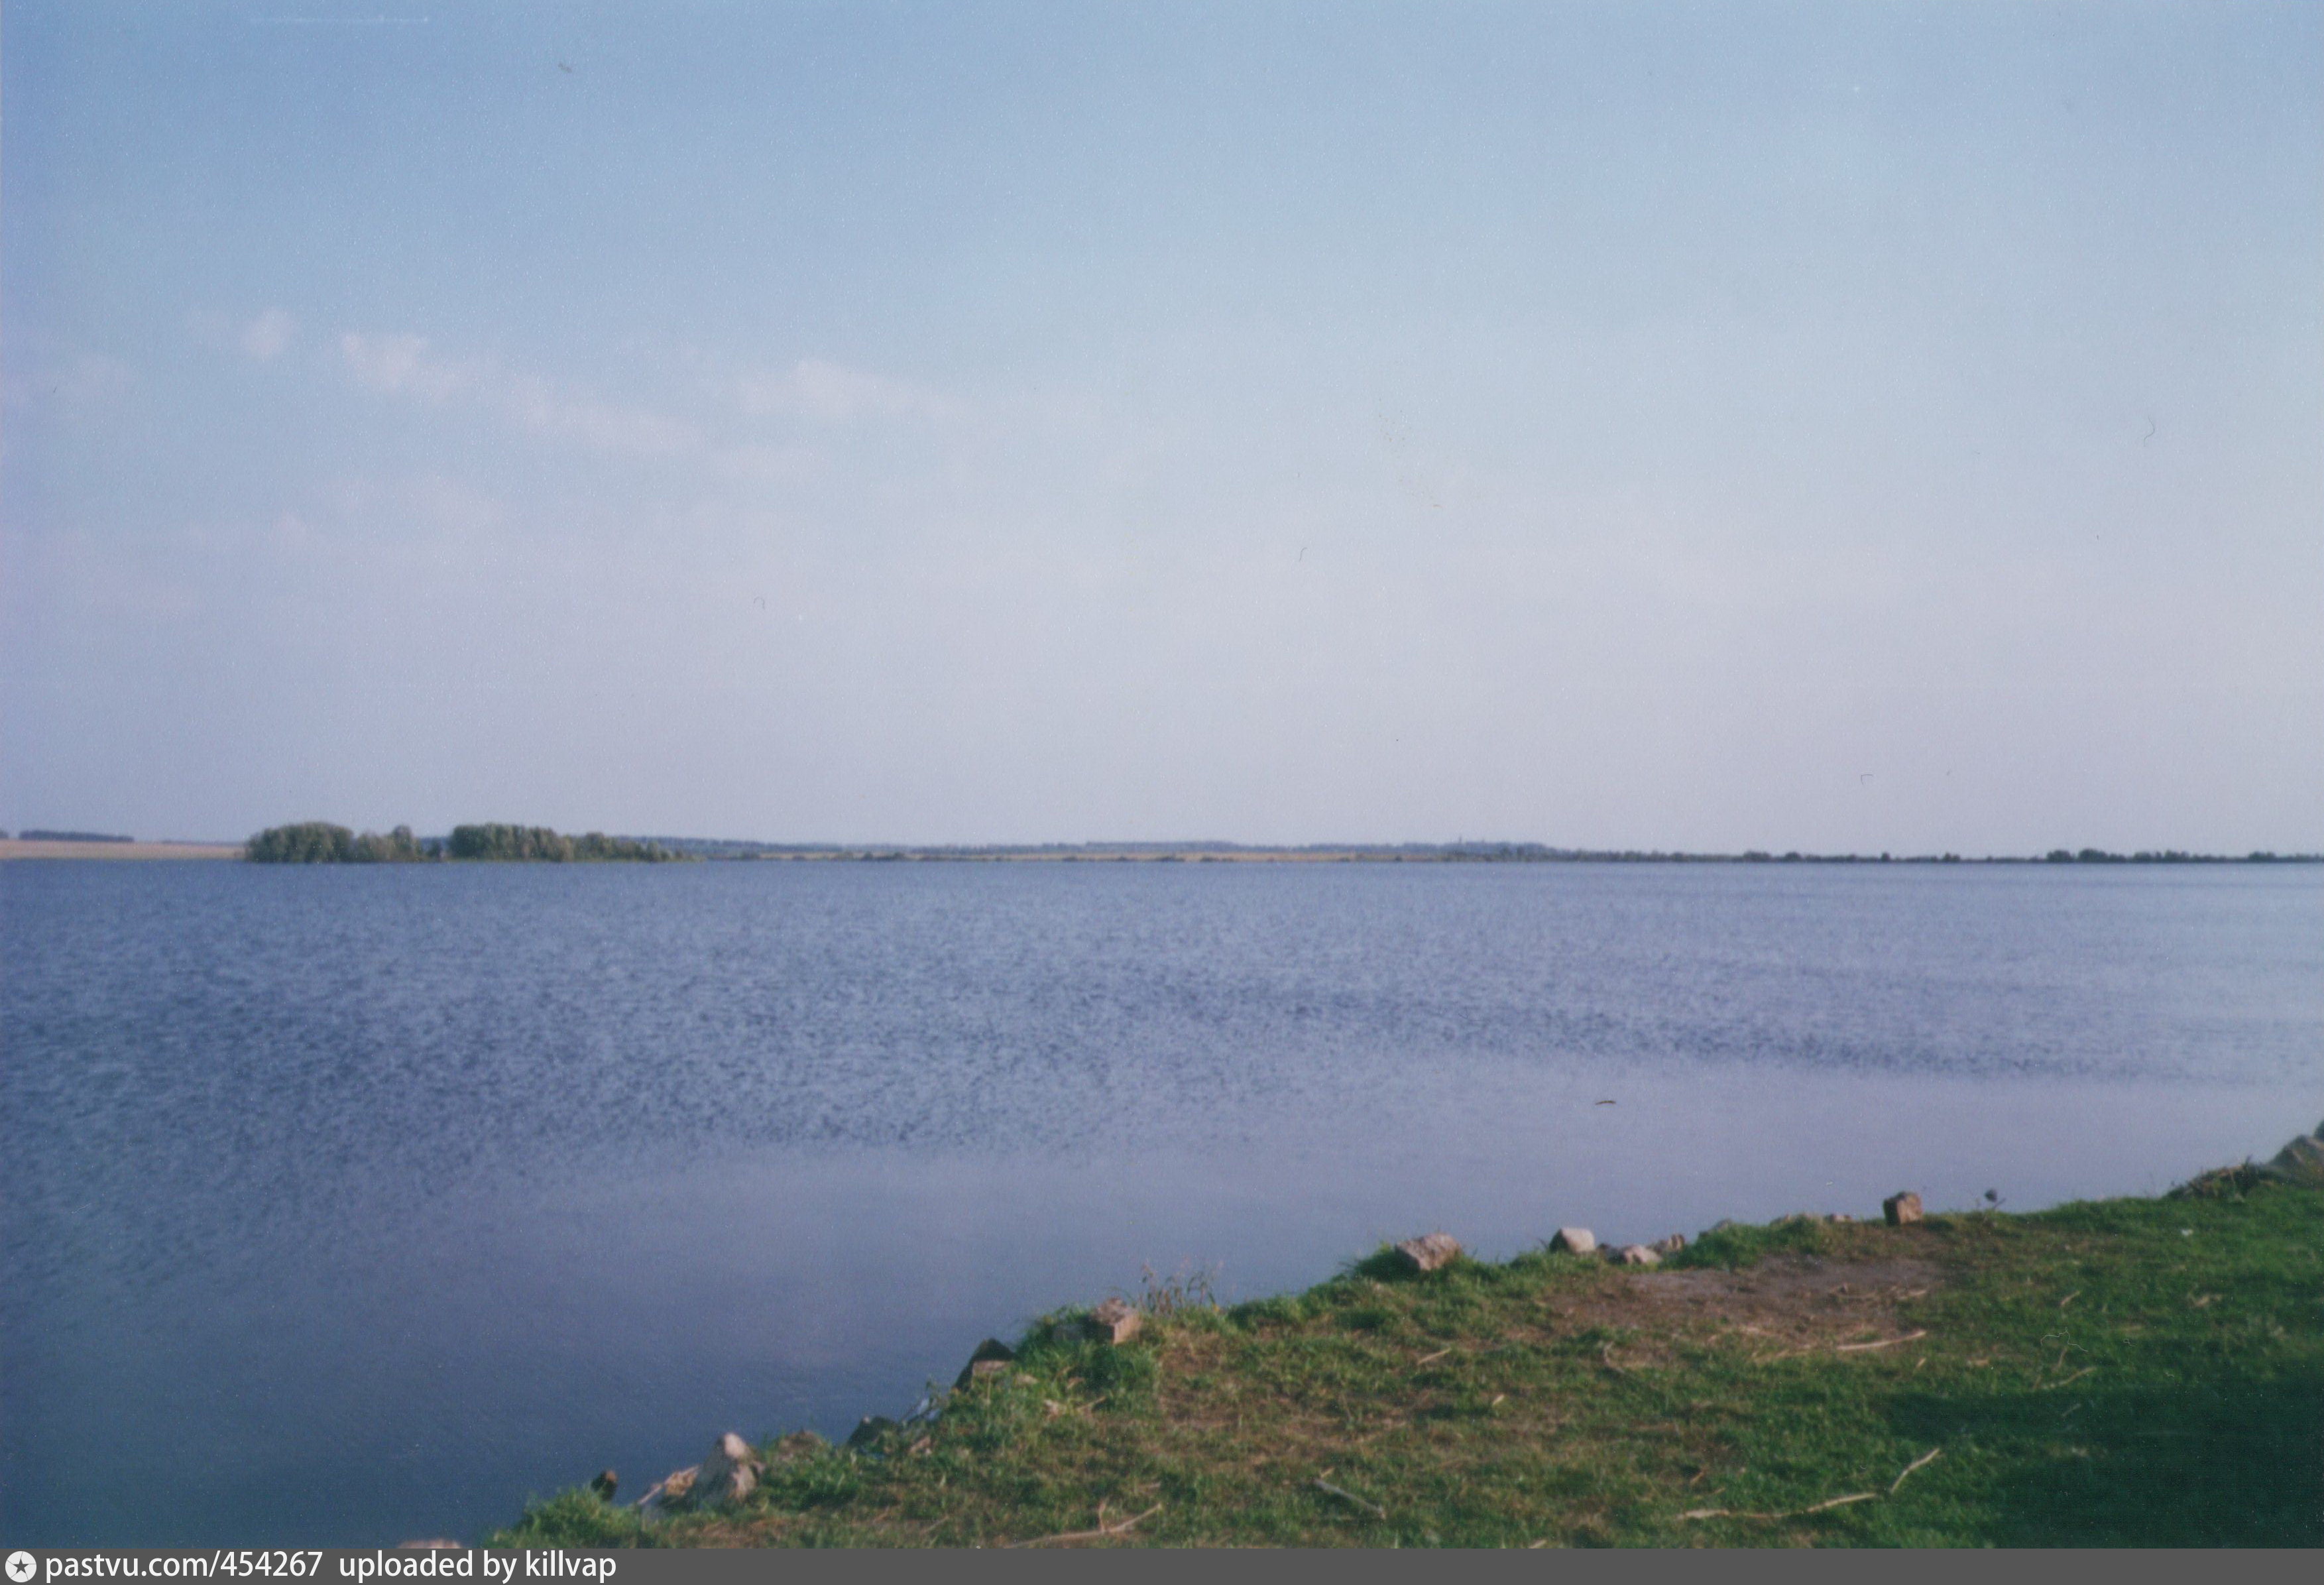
(2126, 1372)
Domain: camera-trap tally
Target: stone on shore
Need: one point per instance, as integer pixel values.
(1116, 1320)
(1901, 1210)
(1636, 1254)
(2302, 1161)
(799, 1444)
(992, 1358)
(1429, 1252)
(728, 1474)
(1573, 1240)
(673, 1490)
(1669, 1246)
(870, 1430)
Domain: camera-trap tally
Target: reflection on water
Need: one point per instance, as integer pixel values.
(343, 1205)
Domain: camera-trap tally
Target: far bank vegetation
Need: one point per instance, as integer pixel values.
(315, 842)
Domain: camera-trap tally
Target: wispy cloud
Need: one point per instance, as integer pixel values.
(404, 365)
(269, 336)
(815, 388)
(262, 338)
(805, 403)
(401, 366)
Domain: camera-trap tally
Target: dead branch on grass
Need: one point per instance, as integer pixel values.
(1104, 1531)
(1824, 1506)
(1886, 1343)
(1836, 1502)
(1926, 1458)
(1344, 1495)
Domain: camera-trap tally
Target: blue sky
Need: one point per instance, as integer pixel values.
(1839, 426)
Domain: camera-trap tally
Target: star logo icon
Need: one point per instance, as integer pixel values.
(21, 1567)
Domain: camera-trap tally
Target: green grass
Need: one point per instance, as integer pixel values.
(2119, 1373)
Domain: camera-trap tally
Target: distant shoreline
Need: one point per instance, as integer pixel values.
(1414, 853)
(1197, 854)
(17, 847)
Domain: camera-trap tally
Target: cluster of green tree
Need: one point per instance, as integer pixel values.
(515, 844)
(315, 842)
(541, 845)
(68, 836)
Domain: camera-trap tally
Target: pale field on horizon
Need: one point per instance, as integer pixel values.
(16, 847)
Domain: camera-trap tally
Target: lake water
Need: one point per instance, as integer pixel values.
(346, 1205)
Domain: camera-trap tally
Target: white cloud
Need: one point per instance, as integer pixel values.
(269, 336)
(403, 365)
(542, 409)
(262, 338)
(816, 388)
(399, 365)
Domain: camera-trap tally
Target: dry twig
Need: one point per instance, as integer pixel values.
(1344, 1495)
(1886, 1343)
(1104, 1531)
(1929, 1456)
(1828, 1503)
(1835, 1502)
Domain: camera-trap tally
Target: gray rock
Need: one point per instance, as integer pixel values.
(1636, 1254)
(1573, 1240)
(869, 1431)
(1901, 1210)
(992, 1358)
(1115, 1321)
(1429, 1252)
(2301, 1162)
(799, 1444)
(1669, 1246)
(672, 1491)
(728, 1474)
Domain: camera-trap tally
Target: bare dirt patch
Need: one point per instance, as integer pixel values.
(1791, 1303)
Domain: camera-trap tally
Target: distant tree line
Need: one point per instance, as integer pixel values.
(316, 842)
(2166, 856)
(67, 836)
(537, 844)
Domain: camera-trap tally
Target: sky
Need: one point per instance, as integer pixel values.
(1846, 427)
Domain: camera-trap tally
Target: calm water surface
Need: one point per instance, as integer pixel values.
(345, 1205)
